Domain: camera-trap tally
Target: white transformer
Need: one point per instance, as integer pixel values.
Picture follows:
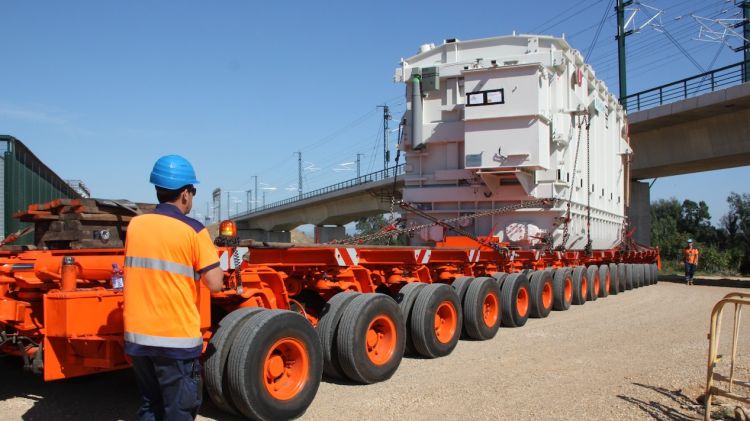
(496, 122)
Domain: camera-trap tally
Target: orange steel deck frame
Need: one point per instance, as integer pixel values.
(76, 318)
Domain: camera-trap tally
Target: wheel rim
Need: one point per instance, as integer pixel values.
(381, 340)
(584, 288)
(490, 310)
(607, 281)
(446, 320)
(597, 285)
(547, 295)
(286, 368)
(568, 290)
(522, 302)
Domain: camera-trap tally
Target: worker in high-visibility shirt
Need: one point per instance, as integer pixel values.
(690, 256)
(166, 255)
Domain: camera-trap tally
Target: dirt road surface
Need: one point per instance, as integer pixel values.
(634, 356)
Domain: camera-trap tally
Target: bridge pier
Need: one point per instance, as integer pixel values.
(324, 234)
(639, 212)
(263, 235)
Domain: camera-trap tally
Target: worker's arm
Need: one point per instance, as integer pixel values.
(213, 279)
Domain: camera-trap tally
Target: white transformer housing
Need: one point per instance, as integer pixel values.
(495, 122)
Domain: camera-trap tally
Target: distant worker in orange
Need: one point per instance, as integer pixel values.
(166, 254)
(690, 255)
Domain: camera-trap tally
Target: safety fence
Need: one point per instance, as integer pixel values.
(721, 78)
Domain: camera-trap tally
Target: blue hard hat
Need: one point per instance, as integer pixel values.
(172, 172)
(690, 240)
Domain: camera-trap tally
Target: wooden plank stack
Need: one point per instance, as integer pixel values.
(81, 223)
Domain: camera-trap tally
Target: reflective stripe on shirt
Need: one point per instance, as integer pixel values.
(158, 264)
(162, 341)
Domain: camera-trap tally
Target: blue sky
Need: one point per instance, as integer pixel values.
(100, 89)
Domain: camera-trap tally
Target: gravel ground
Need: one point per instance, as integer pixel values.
(638, 355)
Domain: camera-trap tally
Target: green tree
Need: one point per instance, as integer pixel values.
(736, 224)
(376, 224)
(695, 220)
(665, 218)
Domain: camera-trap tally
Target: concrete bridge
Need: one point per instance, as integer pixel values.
(329, 208)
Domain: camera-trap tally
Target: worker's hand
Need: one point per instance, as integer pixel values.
(213, 279)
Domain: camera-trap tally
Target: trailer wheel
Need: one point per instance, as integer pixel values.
(650, 269)
(461, 285)
(655, 271)
(563, 289)
(327, 327)
(406, 298)
(275, 365)
(622, 276)
(614, 288)
(215, 362)
(481, 308)
(580, 285)
(542, 293)
(605, 281)
(371, 338)
(515, 297)
(637, 275)
(648, 274)
(500, 278)
(595, 283)
(436, 321)
(628, 276)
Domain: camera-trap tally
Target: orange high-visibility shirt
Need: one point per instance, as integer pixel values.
(165, 253)
(691, 255)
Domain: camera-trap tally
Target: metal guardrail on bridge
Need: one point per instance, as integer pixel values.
(720, 78)
(363, 179)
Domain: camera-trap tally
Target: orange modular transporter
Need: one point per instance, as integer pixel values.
(290, 314)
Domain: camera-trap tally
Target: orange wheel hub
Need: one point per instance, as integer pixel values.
(547, 295)
(446, 321)
(597, 285)
(381, 340)
(286, 368)
(584, 288)
(568, 290)
(522, 302)
(490, 310)
(607, 282)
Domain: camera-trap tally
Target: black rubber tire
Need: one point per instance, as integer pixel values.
(580, 291)
(327, 329)
(247, 358)
(637, 275)
(604, 285)
(500, 278)
(655, 271)
(539, 280)
(560, 279)
(461, 285)
(406, 298)
(592, 272)
(515, 287)
(475, 325)
(614, 286)
(622, 276)
(215, 357)
(646, 273)
(629, 276)
(423, 315)
(353, 333)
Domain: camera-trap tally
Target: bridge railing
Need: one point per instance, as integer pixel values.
(363, 179)
(733, 74)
